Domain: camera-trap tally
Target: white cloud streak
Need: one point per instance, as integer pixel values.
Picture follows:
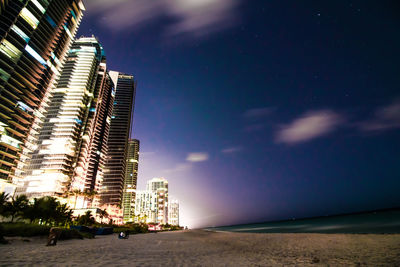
(180, 167)
(385, 118)
(197, 157)
(184, 17)
(231, 150)
(309, 126)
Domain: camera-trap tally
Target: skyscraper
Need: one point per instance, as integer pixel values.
(120, 129)
(129, 195)
(34, 38)
(72, 143)
(146, 207)
(173, 212)
(159, 186)
(162, 205)
(156, 183)
(152, 204)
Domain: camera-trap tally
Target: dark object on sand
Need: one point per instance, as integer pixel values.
(105, 231)
(85, 229)
(123, 235)
(54, 235)
(315, 260)
(2, 240)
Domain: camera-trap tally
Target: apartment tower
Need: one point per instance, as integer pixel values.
(152, 204)
(120, 130)
(72, 148)
(129, 195)
(35, 36)
(173, 212)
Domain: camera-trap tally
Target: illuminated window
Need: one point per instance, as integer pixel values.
(73, 14)
(39, 6)
(4, 75)
(51, 21)
(68, 32)
(24, 106)
(20, 33)
(55, 58)
(34, 54)
(10, 141)
(29, 17)
(10, 50)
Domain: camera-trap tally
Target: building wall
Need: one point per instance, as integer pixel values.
(115, 170)
(173, 212)
(156, 183)
(68, 142)
(34, 39)
(146, 207)
(132, 165)
(153, 202)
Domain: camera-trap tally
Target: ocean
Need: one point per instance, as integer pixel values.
(376, 222)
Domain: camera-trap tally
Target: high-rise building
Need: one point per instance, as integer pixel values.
(146, 207)
(72, 142)
(162, 205)
(129, 195)
(152, 204)
(34, 38)
(156, 183)
(159, 186)
(173, 212)
(120, 129)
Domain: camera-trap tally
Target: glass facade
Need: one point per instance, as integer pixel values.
(72, 146)
(152, 205)
(28, 72)
(132, 166)
(121, 119)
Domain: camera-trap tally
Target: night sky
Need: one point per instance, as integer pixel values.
(261, 110)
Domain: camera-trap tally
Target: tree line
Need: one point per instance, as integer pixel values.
(44, 210)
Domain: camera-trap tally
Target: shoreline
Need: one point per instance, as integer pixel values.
(207, 248)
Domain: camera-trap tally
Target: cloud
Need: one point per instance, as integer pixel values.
(309, 126)
(184, 17)
(197, 157)
(385, 118)
(230, 150)
(180, 167)
(256, 113)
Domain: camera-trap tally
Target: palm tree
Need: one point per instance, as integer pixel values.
(63, 214)
(17, 206)
(3, 203)
(48, 209)
(33, 211)
(103, 214)
(86, 219)
(90, 194)
(76, 193)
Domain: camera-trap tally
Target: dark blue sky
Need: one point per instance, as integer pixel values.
(261, 110)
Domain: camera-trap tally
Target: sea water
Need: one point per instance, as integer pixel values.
(377, 222)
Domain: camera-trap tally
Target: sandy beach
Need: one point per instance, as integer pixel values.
(202, 248)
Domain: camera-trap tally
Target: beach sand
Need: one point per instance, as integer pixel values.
(203, 248)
